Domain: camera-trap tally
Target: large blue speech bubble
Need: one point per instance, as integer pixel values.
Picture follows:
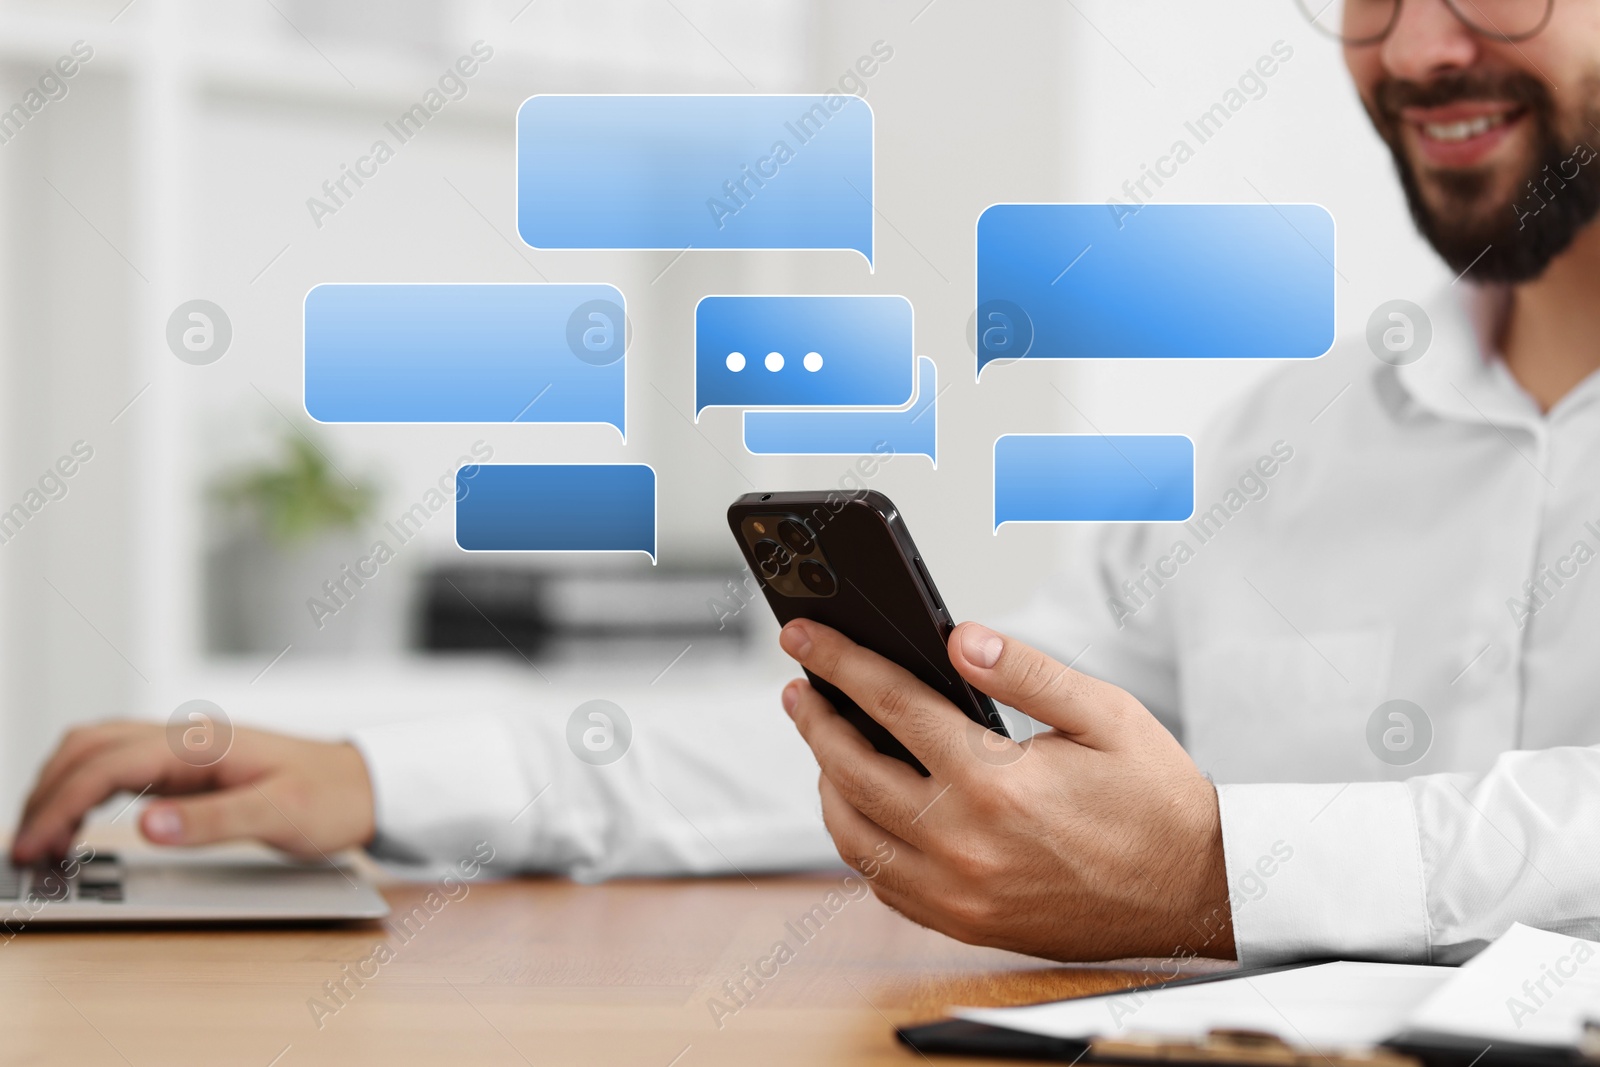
(1175, 281)
(679, 172)
(1093, 478)
(908, 431)
(542, 353)
(556, 507)
(803, 351)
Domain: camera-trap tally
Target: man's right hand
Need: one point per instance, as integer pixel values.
(307, 798)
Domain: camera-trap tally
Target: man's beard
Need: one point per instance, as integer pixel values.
(1514, 241)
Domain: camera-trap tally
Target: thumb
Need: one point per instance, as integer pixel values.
(242, 813)
(1091, 712)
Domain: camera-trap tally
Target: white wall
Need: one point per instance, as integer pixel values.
(68, 618)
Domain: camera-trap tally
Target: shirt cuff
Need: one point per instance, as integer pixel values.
(1324, 871)
(440, 786)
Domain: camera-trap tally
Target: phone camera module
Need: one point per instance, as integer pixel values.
(795, 537)
(818, 578)
(772, 559)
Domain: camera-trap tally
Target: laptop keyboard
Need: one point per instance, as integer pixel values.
(98, 880)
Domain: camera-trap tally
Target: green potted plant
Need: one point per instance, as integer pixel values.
(289, 523)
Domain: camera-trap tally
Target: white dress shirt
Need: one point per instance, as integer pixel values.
(1363, 534)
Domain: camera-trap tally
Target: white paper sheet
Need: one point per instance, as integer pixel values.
(1329, 1006)
(1530, 986)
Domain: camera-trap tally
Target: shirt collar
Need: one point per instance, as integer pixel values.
(1461, 375)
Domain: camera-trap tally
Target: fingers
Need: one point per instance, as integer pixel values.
(898, 872)
(935, 731)
(881, 857)
(1089, 711)
(243, 813)
(49, 829)
(78, 744)
(884, 789)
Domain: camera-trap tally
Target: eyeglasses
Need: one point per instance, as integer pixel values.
(1362, 22)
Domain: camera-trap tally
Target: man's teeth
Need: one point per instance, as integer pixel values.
(1460, 131)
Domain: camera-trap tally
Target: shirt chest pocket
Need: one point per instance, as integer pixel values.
(1287, 708)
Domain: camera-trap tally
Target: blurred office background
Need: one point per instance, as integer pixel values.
(178, 163)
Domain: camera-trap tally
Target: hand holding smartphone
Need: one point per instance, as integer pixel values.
(846, 560)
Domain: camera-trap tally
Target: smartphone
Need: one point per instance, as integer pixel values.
(846, 560)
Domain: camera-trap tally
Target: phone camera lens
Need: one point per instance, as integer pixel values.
(772, 559)
(817, 578)
(796, 537)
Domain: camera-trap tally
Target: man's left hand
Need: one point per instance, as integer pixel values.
(1097, 839)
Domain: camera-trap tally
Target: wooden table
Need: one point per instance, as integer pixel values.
(536, 971)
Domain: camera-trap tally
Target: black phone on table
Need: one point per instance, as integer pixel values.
(846, 560)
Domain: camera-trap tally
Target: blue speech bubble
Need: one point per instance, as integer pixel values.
(678, 172)
(1175, 281)
(1093, 478)
(803, 351)
(541, 353)
(908, 431)
(556, 507)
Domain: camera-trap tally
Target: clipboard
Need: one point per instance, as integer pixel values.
(962, 1037)
(1225, 1048)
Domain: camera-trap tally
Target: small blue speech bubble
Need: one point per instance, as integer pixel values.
(542, 353)
(677, 172)
(1174, 281)
(1093, 478)
(908, 431)
(556, 507)
(803, 351)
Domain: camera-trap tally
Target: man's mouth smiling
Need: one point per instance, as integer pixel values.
(1465, 134)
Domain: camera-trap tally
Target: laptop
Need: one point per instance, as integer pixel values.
(201, 886)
